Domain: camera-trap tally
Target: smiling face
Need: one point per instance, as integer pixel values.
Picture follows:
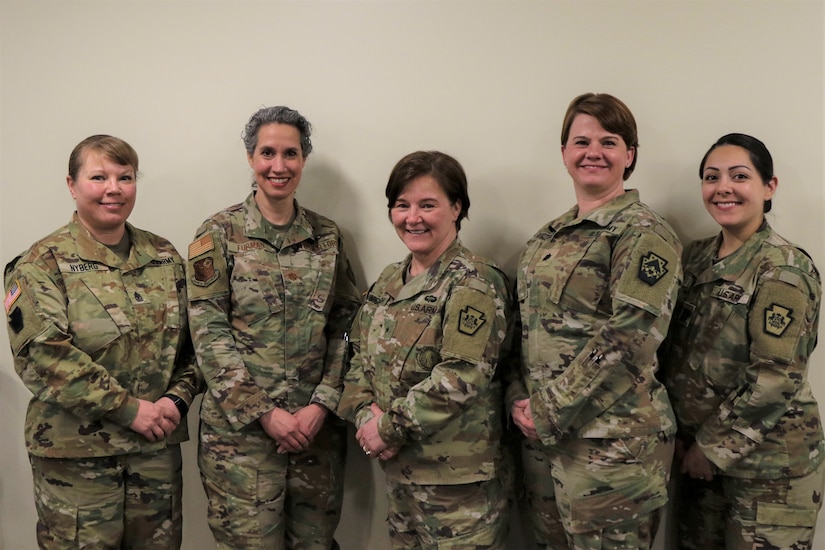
(425, 220)
(104, 192)
(277, 163)
(733, 191)
(596, 159)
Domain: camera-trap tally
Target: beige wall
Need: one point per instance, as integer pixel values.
(485, 81)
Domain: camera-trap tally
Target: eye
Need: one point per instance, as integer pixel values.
(399, 205)
(127, 177)
(580, 142)
(97, 177)
(740, 177)
(609, 143)
(267, 153)
(291, 153)
(709, 178)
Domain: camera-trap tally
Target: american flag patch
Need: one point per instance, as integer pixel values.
(11, 296)
(204, 244)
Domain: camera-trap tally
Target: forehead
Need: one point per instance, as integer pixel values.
(422, 187)
(93, 158)
(584, 124)
(274, 134)
(729, 155)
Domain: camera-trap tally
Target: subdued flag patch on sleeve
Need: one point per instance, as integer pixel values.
(201, 246)
(11, 296)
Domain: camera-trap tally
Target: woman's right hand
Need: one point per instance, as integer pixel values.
(152, 422)
(285, 429)
(523, 417)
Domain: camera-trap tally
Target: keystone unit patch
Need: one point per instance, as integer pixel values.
(777, 319)
(652, 268)
(470, 320)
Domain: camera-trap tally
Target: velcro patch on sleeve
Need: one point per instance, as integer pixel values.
(22, 318)
(469, 318)
(777, 319)
(648, 281)
(201, 246)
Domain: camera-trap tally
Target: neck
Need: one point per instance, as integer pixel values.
(423, 262)
(588, 202)
(106, 236)
(278, 212)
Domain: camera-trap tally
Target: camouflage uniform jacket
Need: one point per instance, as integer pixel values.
(426, 352)
(268, 310)
(91, 334)
(595, 296)
(737, 367)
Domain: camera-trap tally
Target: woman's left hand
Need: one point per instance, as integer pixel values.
(696, 464)
(369, 438)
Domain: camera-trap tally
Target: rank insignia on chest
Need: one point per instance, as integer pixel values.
(777, 319)
(470, 320)
(652, 268)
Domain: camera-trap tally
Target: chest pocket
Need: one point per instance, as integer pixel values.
(409, 338)
(255, 295)
(718, 338)
(98, 310)
(572, 273)
(309, 275)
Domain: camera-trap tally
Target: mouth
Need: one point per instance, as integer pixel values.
(278, 181)
(727, 204)
(416, 231)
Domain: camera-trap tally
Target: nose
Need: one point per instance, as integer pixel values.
(413, 215)
(112, 185)
(594, 149)
(278, 163)
(724, 185)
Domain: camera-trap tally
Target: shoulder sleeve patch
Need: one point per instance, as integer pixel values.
(777, 319)
(207, 274)
(648, 281)
(21, 315)
(468, 321)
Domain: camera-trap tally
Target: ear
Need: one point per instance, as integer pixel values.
(770, 187)
(70, 185)
(631, 154)
(249, 159)
(456, 208)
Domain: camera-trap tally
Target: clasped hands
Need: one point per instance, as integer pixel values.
(156, 421)
(370, 440)
(294, 432)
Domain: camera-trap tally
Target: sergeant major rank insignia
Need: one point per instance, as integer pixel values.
(652, 268)
(470, 320)
(777, 319)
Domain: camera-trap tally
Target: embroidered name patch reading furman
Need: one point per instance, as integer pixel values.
(652, 268)
(777, 319)
(470, 320)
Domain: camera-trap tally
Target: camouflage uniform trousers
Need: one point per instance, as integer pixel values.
(120, 502)
(749, 514)
(597, 494)
(261, 499)
(455, 517)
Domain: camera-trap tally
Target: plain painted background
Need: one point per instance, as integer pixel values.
(486, 81)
